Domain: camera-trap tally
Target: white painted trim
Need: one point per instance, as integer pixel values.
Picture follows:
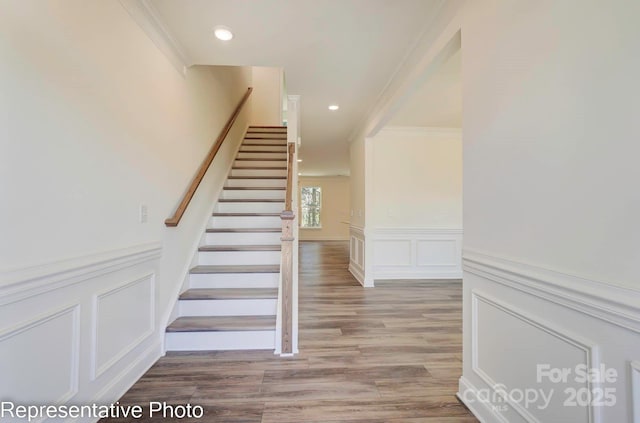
(634, 367)
(74, 309)
(610, 303)
(468, 395)
(589, 348)
(148, 19)
(22, 283)
(96, 371)
(431, 131)
(134, 371)
(357, 273)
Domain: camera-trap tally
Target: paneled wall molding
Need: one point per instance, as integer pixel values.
(148, 19)
(572, 340)
(357, 254)
(416, 253)
(22, 283)
(613, 304)
(147, 317)
(72, 349)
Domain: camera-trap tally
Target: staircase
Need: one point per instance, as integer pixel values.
(231, 300)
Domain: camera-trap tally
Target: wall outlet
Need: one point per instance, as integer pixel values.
(143, 213)
(351, 213)
(360, 213)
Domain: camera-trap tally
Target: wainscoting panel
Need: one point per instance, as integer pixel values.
(40, 357)
(535, 342)
(357, 253)
(392, 253)
(529, 330)
(124, 317)
(417, 253)
(79, 331)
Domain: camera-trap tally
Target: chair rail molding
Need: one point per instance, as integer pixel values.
(617, 305)
(21, 283)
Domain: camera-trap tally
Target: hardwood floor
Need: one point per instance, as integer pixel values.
(387, 354)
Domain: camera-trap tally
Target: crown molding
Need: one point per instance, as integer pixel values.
(148, 19)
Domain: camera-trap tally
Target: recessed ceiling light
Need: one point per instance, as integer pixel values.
(334, 107)
(299, 174)
(299, 160)
(223, 33)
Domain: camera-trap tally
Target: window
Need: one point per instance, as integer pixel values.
(310, 202)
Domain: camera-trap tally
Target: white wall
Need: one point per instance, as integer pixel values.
(414, 214)
(551, 201)
(96, 122)
(417, 178)
(334, 214)
(267, 96)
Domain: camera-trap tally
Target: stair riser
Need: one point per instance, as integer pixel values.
(250, 207)
(270, 140)
(260, 163)
(236, 238)
(277, 129)
(276, 183)
(258, 172)
(279, 149)
(245, 222)
(228, 340)
(233, 280)
(248, 307)
(244, 194)
(229, 258)
(274, 155)
(276, 135)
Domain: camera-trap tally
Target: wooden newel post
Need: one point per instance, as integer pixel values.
(287, 238)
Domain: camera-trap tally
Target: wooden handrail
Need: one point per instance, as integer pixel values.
(291, 150)
(202, 170)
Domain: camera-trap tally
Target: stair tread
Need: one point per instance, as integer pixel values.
(259, 159)
(255, 188)
(243, 230)
(244, 268)
(251, 200)
(275, 247)
(257, 177)
(230, 294)
(222, 323)
(251, 144)
(245, 214)
(259, 168)
(262, 151)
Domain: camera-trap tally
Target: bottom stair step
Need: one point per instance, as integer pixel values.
(222, 323)
(221, 333)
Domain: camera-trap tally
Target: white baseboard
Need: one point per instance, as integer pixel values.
(468, 394)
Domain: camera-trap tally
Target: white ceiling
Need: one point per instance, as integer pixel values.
(333, 51)
(438, 102)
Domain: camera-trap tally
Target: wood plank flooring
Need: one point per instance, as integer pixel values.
(387, 354)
